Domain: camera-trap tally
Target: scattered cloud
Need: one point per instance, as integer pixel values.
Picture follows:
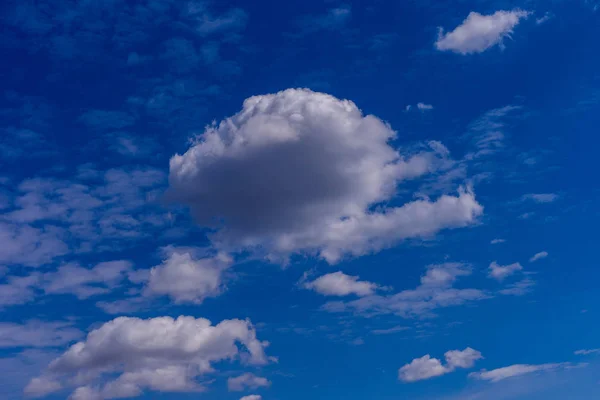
(519, 288)
(511, 371)
(435, 291)
(247, 381)
(480, 32)
(487, 133)
(420, 106)
(84, 282)
(585, 352)
(427, 367)
(310, 168)
(500, 272)
(252, 397)
(334, 19)
(158, 354)
(544, 18)
(497, 241)
(35, 333)
(389, 331)
(541, 197)
(340, 284)
(538, 256)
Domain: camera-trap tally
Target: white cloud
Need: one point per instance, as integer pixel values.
(427, 367)
(488, 132)
(35, 333)
(299, 171)
(186, 278)
(500, 272)
(585, 352)
(480, 32)
(84, 282)
(420, 106)
(247, 381)
(340, 284)
(547, 16)
(538, 256)
(160, 354)
(30, 246)
(497, 241)
(252, 397)
(40, 387)
(389, 331)
(519, 288)
(541, 197)
(435, 291)
(511, 371)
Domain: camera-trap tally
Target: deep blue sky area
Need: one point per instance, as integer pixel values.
(288, 200)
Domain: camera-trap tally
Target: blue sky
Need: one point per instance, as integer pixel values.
(281, 201)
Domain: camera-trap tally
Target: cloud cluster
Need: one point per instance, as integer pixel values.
(300, 171)
(48, 218)
(247, 381)
(158, 354)
(435, 291)
(427, 367)
(480, 32)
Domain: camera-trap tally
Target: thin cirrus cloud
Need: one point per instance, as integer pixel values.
(541, 197)
(427, 367)
(158, 354)
(332, 165)
(516, 370)
(478, 32)
(538, 256)
(585, 352)
(340, 284)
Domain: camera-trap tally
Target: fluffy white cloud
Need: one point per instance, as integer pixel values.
(186, 278)
(538, 256)
(500, 272)
(479, 32)
(299, 171)
(497, 241)
(161, 354)
(421, 368)
(424, 106)
(499, 374)
(427, 367)
(252, 397)
(340, 284)
(40, 387)
(247, 381)
(435, 291)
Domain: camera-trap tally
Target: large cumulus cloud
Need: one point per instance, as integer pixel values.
(159, 354)
(300, 171)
